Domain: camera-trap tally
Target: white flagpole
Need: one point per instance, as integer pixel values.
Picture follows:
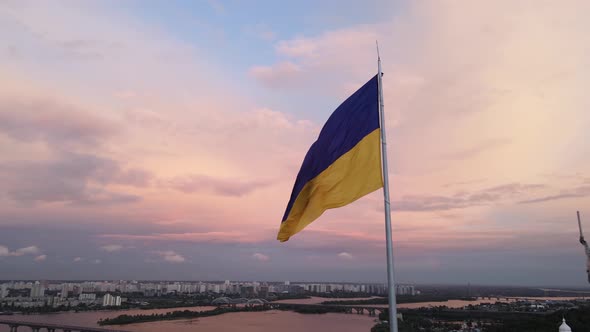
(385, 170)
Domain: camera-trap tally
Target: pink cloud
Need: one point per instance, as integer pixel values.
(31, 250)
(299, 47)
(345, 235)
(40, 258)
(171, 256)
(261, 257)
(69, 177)
(345, 256)
(27, 251)
(208, 184)
(53, 122)
(214, 237)
(112, 247)
(577, 192)
(283, 74)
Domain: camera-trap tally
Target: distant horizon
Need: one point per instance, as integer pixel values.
(549, 287)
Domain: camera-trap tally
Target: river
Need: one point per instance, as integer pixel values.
(273, 320)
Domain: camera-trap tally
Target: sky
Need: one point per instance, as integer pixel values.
(161, 140)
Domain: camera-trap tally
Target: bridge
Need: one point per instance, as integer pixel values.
(514, 298)
(38, 326)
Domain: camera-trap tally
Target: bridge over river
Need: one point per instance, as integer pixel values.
(37, 327)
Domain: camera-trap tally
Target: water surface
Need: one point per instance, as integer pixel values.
(273, 320)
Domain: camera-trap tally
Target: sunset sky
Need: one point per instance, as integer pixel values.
(161, 139)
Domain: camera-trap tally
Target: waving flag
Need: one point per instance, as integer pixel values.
(342, 165)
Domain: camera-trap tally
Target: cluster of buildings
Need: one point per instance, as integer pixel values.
(406, 290)
(374, 289)
(22, 294)
(96, 293)
(256, 289)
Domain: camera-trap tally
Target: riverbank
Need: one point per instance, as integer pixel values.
(189, 314)
(184, 314)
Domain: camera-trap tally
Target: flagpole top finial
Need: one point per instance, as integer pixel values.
(377, 44)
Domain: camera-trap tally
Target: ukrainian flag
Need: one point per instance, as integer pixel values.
(342, 165)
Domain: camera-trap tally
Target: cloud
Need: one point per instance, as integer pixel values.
(212, 237)
(77, 259)
(216, 186)
(80, 49)
(295, 48)
(282, 75)
(133, 177)
(450, 238)
(465, 199)
(345, 256)
(70, 177)
(57, 124)
(40, 258)
(97, 261)
(462, 183)
(112, 247)
(171, 256)
(582, 191)
(477, 149)
(261, 257)
(303, 61)
(31, 250)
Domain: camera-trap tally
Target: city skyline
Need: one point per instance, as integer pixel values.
(142, 139)
(72, 294)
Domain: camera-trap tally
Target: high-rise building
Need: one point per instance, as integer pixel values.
(37, 290)
(405, 290)
(64, 291)
(108, 300)
(3, 291)
(247, 291)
